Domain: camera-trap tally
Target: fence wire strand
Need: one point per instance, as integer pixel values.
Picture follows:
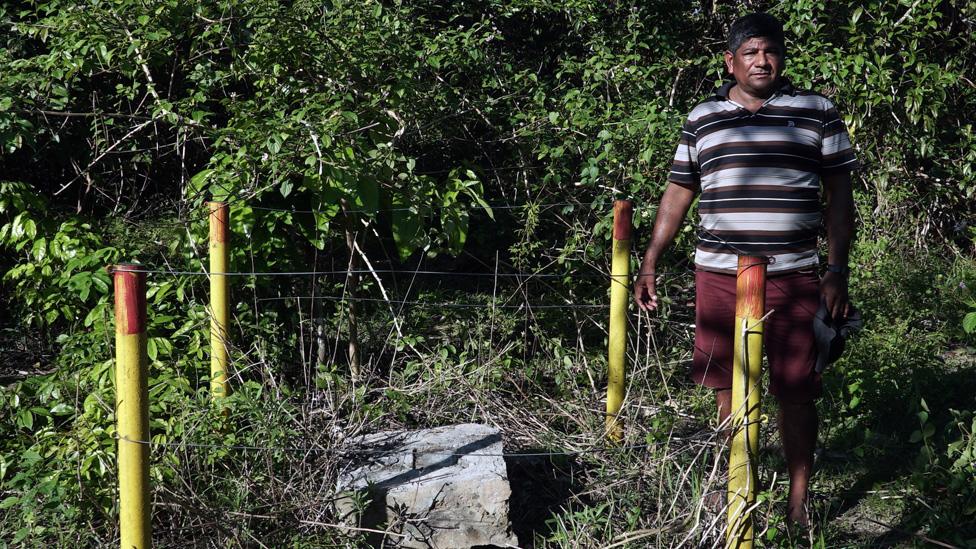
(704, 436)
(676, 273)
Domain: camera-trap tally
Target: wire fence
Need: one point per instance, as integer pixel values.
(338, 210)
(405, 272)
(520, 303)
(497, 206)
(353, 448)
(364, 452)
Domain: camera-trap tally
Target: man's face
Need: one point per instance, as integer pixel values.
(756, 66)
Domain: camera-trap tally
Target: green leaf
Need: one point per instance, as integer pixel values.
(455, 225)
(286, 188)
(92, 316)
(30, 228)
(104, 54)
(101, 281)
(368, 194)
(39, 249)
(25, 419)
(969, 322)
(407, 231)
(274, 144)
(198, 181)
(62, 409)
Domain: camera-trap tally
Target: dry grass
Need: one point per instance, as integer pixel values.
(646, 492)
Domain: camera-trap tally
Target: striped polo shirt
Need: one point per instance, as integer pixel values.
(759, 175)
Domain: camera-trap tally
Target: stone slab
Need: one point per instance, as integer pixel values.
(445, 487)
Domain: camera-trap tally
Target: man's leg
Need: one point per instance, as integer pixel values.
(798, 429)
(712, 365)
(791, 350)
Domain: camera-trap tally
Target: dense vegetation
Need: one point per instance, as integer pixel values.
(477, 137)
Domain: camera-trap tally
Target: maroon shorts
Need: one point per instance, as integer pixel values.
(787, 336)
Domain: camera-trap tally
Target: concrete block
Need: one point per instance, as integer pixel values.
(445, 487)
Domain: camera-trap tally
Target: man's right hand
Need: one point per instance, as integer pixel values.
(645, 293)
(674, 205)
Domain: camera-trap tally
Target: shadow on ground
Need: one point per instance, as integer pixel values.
(892, 497)
(541, 487)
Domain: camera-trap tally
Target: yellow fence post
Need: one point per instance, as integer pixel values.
(132, 405)
(746, 368)
(623, 212)
(219, 299)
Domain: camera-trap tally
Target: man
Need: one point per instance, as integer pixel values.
(759, 152)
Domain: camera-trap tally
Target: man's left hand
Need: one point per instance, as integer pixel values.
(833, 289)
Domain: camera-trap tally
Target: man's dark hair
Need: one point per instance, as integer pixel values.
(753, 25)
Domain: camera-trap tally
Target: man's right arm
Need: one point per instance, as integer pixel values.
(674, 206)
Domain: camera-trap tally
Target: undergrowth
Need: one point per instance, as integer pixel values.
(896, 420)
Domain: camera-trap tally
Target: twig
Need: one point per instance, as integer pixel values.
(111, 148)
(631, 537)
(69, 114)
(908, 12)
(353, 528)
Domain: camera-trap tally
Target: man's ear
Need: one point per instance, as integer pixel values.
(728, 61)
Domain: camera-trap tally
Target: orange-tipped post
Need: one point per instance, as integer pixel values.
(623, 212)
(219, 299)
(132, 404)
(750, 302)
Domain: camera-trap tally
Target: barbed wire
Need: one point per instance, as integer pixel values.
(435, 304)
(703, 435)
(337, 210)
(525, 275)
(499, 206)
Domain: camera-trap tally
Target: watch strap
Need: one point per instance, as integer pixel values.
(839, 269)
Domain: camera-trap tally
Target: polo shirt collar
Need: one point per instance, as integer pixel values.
(785, 87)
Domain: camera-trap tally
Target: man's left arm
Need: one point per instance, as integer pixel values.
(839, 220)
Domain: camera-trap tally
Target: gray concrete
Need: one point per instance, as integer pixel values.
(444, 488)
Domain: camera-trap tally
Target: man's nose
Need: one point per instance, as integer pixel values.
(762, 59)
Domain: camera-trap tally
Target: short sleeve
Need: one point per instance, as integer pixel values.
(837, 154)
(685, 171)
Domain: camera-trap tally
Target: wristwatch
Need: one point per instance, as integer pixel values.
(839, 269)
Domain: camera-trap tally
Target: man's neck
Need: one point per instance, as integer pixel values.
(751, 102)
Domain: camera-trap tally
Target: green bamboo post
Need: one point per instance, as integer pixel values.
(746, 368)
(623, 212)
(219, 299)
(132, 405)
